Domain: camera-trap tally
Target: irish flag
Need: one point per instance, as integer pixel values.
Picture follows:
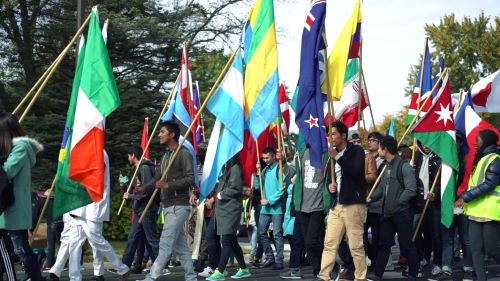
(436, 130)
(94, 97)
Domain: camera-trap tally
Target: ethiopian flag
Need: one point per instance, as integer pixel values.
(80, 173)
(436, 130)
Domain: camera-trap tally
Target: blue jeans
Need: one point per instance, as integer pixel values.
(462, 223)
(146, 229)
(264, 222)
(23, 251)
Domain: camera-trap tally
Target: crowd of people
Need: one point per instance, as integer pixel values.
(341, 218)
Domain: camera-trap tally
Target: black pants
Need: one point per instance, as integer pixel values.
(313, 230)
(6, 265)
(400, 223)
(484, 238)
(373, 223)
(213, 243)
(260, 248)
(230, 245)
(296, 245)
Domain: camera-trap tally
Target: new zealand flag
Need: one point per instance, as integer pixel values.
(309, 110)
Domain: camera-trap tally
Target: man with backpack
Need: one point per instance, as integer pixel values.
(397, 194)
(271, 210)
(140, 194)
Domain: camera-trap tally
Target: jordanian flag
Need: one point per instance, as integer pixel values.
(436, 130)
(80, 175)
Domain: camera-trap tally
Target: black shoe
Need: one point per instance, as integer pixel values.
(199, 266)
(256, 264)
(373, 277)
(51, 277)
(136, 270)
(98, 278)
(278, 266)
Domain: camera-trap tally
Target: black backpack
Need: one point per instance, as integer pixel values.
(6, 189)
(418, 202)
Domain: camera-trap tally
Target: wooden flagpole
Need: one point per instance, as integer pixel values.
(54, 68)
(171, 160)
(280, 146)
(407, 131)
(331, 112)
(136, 171)
(426, 204)
(259, 170)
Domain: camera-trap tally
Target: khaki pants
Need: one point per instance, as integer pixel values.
(343, 219)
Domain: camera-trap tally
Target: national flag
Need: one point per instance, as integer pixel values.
(94, 96)
(261, 72)
(392, 128)
(200, 130)
(469, 124)
(186, 94)
(438, 71)
(227, 136)
(436, 130)
(177, 112)
(145, 138)
(309, 115)
(284, 108)
(248, 154)
(347, 108)
(486, 93)
(419, 95)
(347, 46)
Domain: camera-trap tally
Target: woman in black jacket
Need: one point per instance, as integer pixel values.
(481, 202)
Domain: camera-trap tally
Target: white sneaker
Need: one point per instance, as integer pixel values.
(436, 270)
(165, 272)
(206, 272)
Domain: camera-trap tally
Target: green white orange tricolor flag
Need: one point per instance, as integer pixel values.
(436, 130)
(94, 97)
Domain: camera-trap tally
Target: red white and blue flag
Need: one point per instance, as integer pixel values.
(309, 109)
(419, 95)
(469, 124)
(486, 93)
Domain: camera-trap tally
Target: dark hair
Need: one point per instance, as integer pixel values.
(9, 129)
(341, 128)
(489, 138)
(136, 151)
(389, 143)
(269, 149)
(172, 127)
(235, 160)
(375, 135)
(405, 152)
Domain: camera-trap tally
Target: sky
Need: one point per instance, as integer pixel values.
(393, 38)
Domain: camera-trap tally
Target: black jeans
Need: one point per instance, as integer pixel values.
(313, 230)
(484, 238)
(23, 251)
(296, 245)
(400, 223)
(139, 231)
(260, 248)
(230, 246)
(373, 223)
(213, 243)
(54, 228)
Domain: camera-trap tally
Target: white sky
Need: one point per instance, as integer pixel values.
(393, 37)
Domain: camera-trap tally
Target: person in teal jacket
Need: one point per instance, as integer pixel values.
(272, 209)
(20, 153)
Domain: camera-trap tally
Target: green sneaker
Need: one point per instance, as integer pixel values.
(242, 273)
(216, 276)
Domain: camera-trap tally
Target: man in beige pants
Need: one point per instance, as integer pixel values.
(347, 213)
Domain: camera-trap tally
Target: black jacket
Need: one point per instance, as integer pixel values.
(147, 182)
(491, 178)
(353, 184)
(434, 164)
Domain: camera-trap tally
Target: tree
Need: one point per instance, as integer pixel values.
(144, 42)
(471, 50)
